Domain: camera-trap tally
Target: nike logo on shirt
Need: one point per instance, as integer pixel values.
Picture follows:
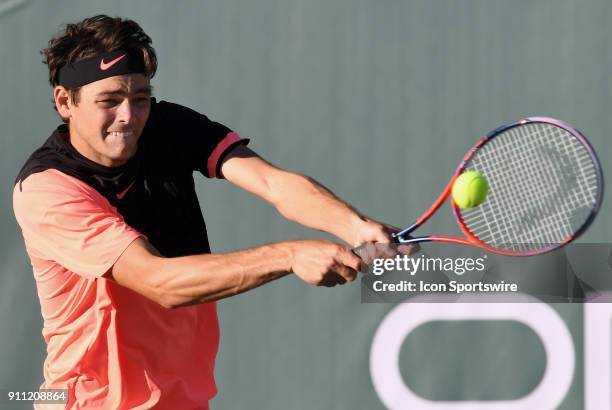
(121, 194)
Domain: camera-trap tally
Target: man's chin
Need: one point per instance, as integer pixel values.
(121, 157)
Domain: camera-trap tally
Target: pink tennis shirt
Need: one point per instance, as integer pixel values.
(109, 346)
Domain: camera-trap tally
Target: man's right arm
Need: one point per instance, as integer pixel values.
(71, 224)
(188, 280)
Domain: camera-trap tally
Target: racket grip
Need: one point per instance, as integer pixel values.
(360, 251)
(363, 254)
(368, 251)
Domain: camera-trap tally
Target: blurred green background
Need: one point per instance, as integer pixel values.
(375, 99)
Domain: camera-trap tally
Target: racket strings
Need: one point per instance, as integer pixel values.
(548, 205)
(510, 233)
(543, 185)
(553, 179)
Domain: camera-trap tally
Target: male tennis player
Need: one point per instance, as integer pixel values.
(116, 238)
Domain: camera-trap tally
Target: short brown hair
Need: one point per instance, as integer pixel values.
(93, 36)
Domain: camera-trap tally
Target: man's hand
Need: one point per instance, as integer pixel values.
(373, 240)
(370, 231)
(323, 263)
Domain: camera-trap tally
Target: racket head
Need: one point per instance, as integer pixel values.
(545, 187)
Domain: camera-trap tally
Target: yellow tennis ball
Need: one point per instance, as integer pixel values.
(470, 189)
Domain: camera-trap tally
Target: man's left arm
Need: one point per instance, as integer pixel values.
(301, 199)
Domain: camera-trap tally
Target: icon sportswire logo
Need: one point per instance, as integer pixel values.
(105, 66)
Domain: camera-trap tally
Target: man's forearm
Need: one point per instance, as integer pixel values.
(225, 274)
(193, 279)
(305, 201)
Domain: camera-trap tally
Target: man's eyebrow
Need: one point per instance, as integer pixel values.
(148, 89)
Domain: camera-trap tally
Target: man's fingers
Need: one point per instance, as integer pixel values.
(347, 265)
(350, 259)
(332, 279)
(347, 273)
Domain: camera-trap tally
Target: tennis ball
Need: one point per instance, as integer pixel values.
(470, 189)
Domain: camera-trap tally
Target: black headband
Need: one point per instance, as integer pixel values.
(101, 66)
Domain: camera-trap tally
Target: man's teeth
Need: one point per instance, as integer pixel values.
(121, 134)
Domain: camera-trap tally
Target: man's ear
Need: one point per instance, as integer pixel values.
(62, 101)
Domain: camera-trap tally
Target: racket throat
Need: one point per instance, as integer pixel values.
(402, 236)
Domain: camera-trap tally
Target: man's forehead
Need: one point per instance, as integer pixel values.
(127, 83)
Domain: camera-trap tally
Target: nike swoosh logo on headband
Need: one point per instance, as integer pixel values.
(105, 66)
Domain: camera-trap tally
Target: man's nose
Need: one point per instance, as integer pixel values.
(125, 112)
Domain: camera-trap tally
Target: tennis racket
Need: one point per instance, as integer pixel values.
(545, 189)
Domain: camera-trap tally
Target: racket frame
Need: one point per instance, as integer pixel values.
(403, 237)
